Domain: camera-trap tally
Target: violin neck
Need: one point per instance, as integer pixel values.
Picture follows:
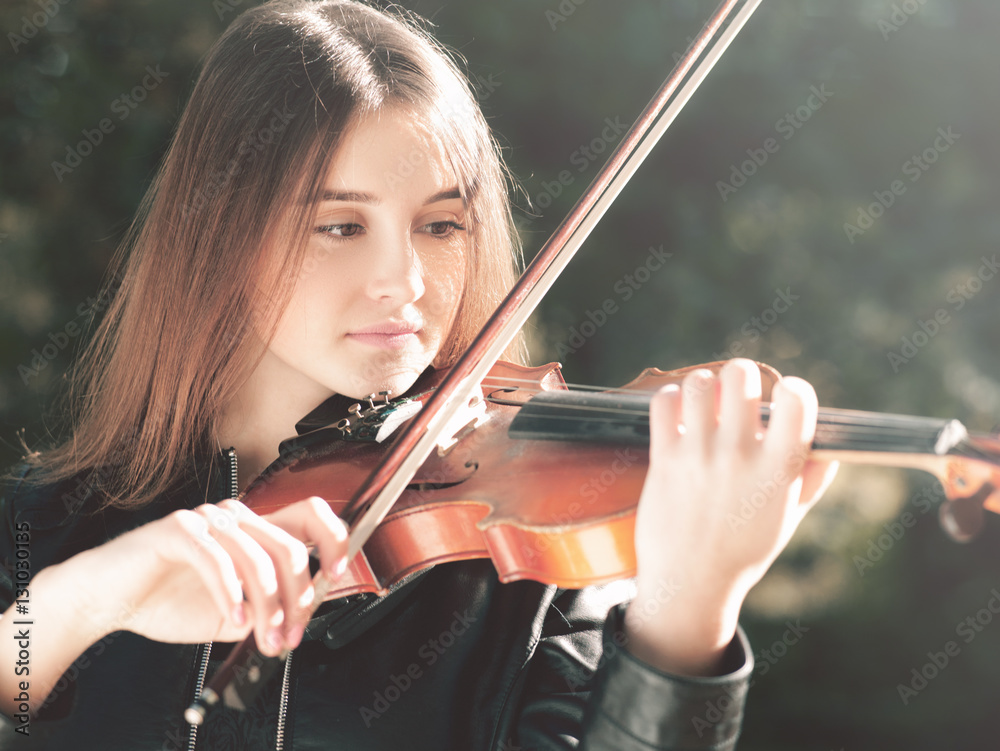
(610, 416)
(851, 430)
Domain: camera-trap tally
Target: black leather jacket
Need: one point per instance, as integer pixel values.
(450, 659)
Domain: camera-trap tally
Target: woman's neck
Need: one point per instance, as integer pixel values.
(264, 412)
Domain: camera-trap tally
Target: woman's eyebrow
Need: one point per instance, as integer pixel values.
(444, 195)
(356, 196)
(352, 196)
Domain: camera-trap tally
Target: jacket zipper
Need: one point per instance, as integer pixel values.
(279, 741)
(206, 648)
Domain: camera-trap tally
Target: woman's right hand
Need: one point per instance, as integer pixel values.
(216, 572)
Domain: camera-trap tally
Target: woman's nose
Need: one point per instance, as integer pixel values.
(397, 275)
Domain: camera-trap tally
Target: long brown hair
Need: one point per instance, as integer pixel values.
(195, 282)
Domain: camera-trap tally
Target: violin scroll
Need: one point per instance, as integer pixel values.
(971, 488)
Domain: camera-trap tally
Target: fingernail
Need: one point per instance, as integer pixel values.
(307, 598)
(340, 567)
(274, 639)
(239, 615)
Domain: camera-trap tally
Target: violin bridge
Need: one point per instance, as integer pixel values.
(463, 422)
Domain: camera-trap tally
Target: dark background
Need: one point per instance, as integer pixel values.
(550, 75)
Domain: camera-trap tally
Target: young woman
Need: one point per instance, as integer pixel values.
(331, 219)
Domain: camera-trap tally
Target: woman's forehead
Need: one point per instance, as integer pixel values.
(389, 152)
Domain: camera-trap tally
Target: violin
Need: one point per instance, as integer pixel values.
(545, 480)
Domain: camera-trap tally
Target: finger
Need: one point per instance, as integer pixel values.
(209, 559)
(291, 563)
(664, 419)
(698, 408)
(258, 574)
(816, 478)
(312, 520)
(792, 424)
(739, 410)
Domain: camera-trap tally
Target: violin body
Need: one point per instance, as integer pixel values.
(558, 506)
(557, 511)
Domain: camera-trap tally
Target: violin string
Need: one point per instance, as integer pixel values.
(852, 428)
(839, 426)
(863, 439)
(828, 416)
(902, 433)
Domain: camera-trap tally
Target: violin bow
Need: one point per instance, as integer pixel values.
(239, 678)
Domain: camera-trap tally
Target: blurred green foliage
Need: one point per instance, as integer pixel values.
(552, 74)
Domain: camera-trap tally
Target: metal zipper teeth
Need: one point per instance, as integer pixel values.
(234, 482)
(206, 650)
(234, 489)
(279, 741)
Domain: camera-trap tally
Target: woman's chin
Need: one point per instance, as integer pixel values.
(396, 384)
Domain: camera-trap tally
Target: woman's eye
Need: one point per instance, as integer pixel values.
(444, 228)
(341, 230)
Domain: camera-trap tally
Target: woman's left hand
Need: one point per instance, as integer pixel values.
(721, 500)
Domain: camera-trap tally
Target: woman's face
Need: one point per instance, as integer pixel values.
(385, 266)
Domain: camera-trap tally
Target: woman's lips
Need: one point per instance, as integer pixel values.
(388, 335)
